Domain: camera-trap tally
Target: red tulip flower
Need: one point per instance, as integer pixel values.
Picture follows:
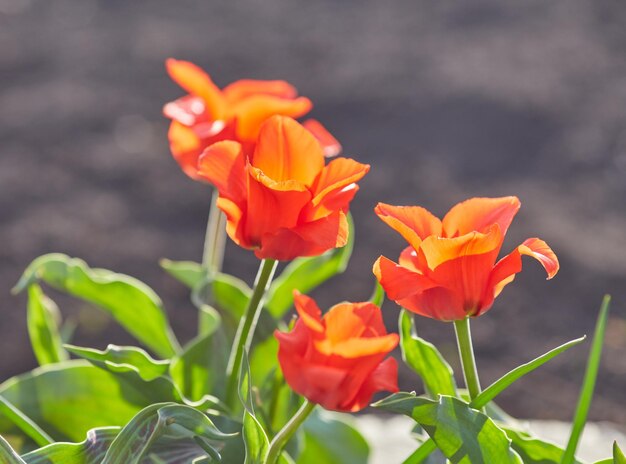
(338, 361)
(209, 114)
(282, 201)
(449, 270)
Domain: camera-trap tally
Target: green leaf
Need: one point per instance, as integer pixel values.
(131, 303)
(305, 274)
(464, 435)
(123, 359)
(618, 456)
(505, 381)
(89, 451)
(533, 450)
(67, 399)
(255, 438)
(199, 369)
(189, 273)
(8, 454)
(23, 422)
(424, 358)
(589, 383)
(43, 327)
(170, 421)
(330, 439)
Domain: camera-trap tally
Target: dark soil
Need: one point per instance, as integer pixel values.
(445, 101)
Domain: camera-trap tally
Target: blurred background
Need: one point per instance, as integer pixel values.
(445, 100)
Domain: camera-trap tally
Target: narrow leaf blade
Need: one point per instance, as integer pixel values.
(506, 380)
(589, 382)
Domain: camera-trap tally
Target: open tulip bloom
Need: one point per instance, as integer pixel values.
(209, 114)
(450, 270)
(338, 360)
(283, 201)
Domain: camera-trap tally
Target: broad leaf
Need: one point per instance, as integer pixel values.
(43, 327)
(330, 439)
(305, 274)
(424, 358)
(464, 435)
(90, 451)
(123, 359)
(170, 421)
(199, 369)
(131, 303)
(189, 273)
(533, 450)
(67, 399)
(589, 382)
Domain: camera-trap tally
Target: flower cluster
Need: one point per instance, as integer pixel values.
(282, 200)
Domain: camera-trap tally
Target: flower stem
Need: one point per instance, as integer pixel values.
(215, 238)
(466, 352)
(247, 326)
(282, 437)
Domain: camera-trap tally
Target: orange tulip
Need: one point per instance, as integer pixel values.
(283, 201)
(207, 114)
(337, 360)
(449, 270)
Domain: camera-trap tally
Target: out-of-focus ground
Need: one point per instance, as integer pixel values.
(445, 101)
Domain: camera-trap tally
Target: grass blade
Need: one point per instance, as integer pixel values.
(505, 381)
(589, 383)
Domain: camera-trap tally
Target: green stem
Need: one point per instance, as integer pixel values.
(215, 238)
(282, 437)
(466, 351)
(247, 326)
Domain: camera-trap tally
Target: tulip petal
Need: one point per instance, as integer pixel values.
(408, 259)
(331, 145)
(321, 384)
(186, 147)
(188, 110)
(309, 239)
(398, 281)
(252, 112)
(439, 303)
(195, 81)
(272, 205)
(478, 214)
(235, 225)
(414, 223)
(286, 150)
(245, 88)
(337, 175)
(540, 250)
(359, 347)
(383, 378)
(438, 250)
(309, 312)
(223, 164)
